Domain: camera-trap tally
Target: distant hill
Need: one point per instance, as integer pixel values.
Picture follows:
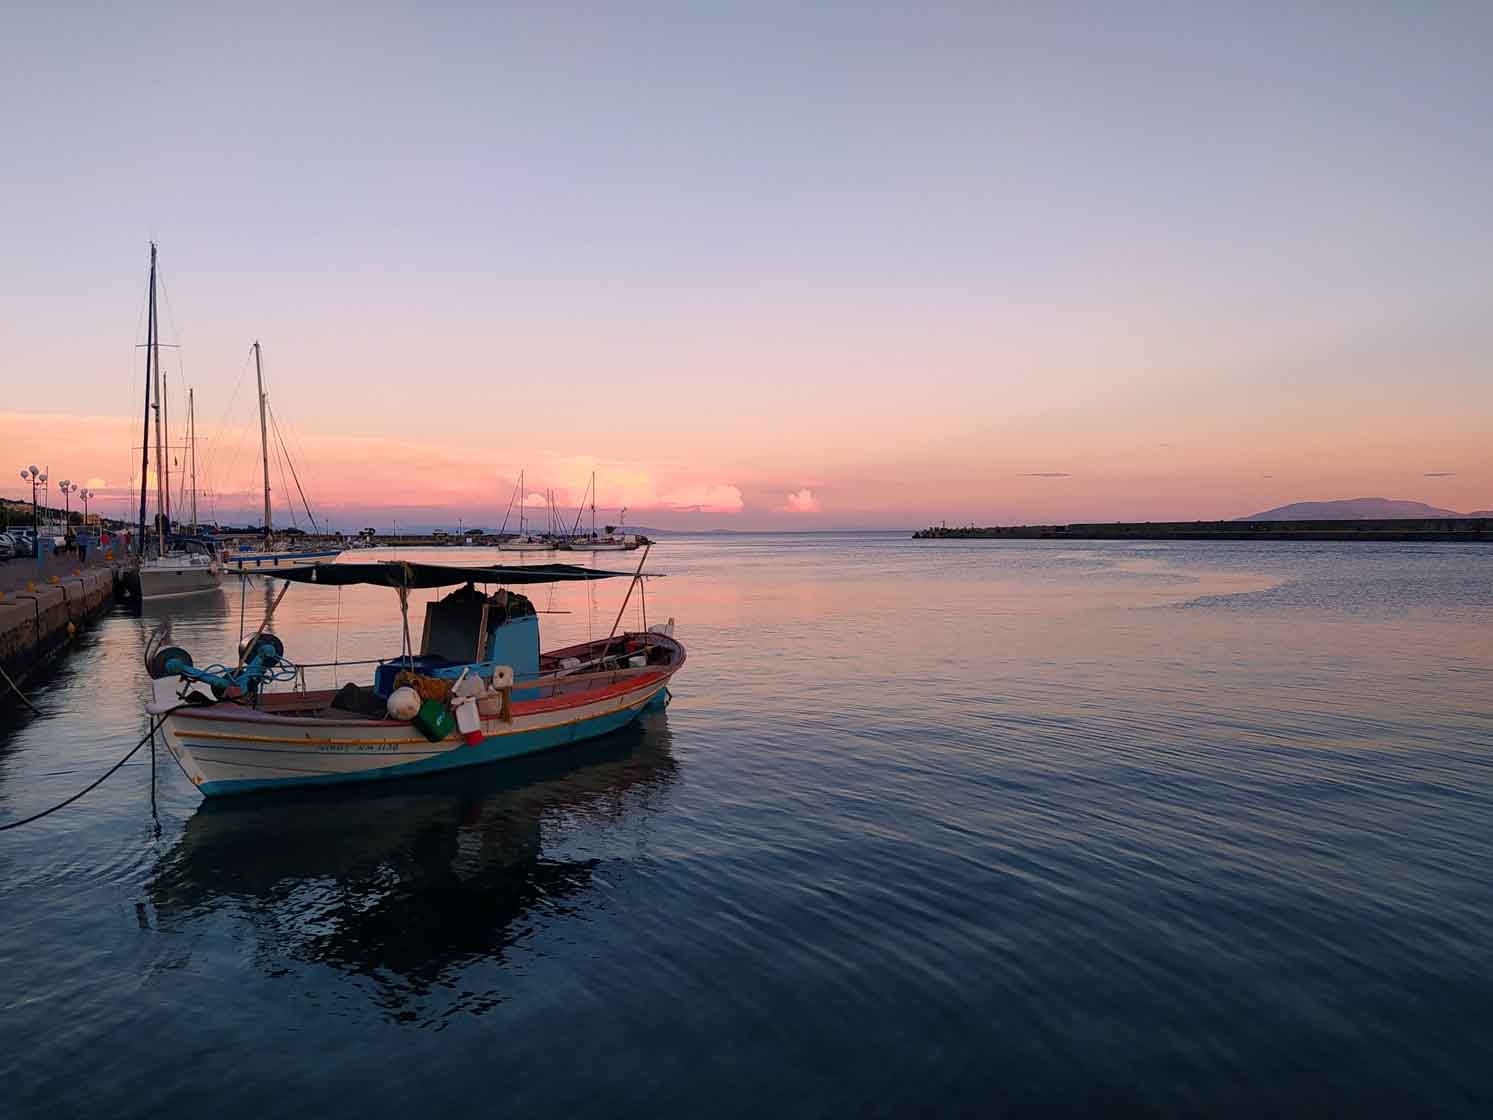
(1481, 513)
(1352, 509)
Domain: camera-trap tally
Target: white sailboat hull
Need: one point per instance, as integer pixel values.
(172, 576)
(602, 546)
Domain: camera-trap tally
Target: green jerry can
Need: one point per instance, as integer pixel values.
(435, 720)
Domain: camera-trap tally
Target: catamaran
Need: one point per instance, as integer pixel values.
(268, 558)
(478, 690)
(179, 566)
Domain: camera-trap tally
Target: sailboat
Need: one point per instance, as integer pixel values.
(180, 566)
(525, 541)
(612, 541)
(267, 558)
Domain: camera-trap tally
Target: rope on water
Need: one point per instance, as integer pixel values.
(17, 690)
(93, 785)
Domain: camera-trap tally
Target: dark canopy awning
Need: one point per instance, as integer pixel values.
(404, 573)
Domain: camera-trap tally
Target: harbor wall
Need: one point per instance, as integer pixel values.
(36, 625)
(1405, 529)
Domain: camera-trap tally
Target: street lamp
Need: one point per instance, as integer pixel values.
(32, 475)
(83, 496)
(67, 488)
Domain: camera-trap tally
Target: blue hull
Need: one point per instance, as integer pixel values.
(493, 749)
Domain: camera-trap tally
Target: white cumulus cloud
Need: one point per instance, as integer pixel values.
(802, 501)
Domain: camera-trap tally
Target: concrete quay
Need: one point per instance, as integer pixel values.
(42, 609)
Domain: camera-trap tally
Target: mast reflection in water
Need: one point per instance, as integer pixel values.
(408, 885)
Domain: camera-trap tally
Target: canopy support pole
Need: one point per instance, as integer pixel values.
(636, 578)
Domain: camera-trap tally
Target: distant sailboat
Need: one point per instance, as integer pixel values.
(179, 566)
(525, 541)
(612, 540)
(268, 558)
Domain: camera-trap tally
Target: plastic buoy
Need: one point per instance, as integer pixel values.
(404, 703)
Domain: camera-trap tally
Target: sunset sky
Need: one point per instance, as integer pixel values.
(772, 265)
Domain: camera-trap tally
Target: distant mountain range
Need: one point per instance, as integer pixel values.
(1357, 509)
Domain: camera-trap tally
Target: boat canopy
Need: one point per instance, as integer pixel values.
(403, 573)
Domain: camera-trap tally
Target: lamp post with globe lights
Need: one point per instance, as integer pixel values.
(32, 475)
(67, 488)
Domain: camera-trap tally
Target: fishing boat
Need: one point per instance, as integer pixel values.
(478, 690)
(178, 566)
(269, 556)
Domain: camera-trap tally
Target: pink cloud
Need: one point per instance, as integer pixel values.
(705, 498)
(803, 501)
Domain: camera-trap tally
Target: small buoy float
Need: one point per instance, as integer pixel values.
(404, 703)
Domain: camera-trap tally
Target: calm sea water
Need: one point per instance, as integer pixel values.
(929, 829)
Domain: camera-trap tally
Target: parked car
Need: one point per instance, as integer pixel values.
(7, 547)
(24, 542)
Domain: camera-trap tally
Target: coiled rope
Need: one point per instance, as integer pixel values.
(93, 785)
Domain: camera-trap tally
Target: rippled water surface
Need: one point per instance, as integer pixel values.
(931, 828)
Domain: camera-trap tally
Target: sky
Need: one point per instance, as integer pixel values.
(759, 266)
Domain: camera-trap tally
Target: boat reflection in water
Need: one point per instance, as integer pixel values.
(408, 884)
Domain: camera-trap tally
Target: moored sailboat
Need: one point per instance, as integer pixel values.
(525, 541)
(179, 566)
(611, 541)
(269, 558)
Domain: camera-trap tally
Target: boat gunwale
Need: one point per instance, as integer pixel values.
(642, 677)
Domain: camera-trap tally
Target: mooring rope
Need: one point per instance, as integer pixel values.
(93, 785)
(17, 690)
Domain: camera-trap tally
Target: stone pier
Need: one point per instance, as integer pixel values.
(42, 611)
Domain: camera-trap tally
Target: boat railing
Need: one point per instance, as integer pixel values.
(316, 675)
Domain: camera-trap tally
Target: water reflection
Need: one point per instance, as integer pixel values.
(408, 884)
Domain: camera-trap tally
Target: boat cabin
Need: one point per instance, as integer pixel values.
(470, 629)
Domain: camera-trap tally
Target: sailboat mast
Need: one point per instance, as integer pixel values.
(593, 505)
(523, 500)
(192, 436)
(150, 337)
(155, 353)
(264, 442)
(164, 398)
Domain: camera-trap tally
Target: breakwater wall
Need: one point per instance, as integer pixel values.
(1404, 529)
(35, 625)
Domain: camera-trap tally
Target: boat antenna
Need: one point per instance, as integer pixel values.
(150, 337)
